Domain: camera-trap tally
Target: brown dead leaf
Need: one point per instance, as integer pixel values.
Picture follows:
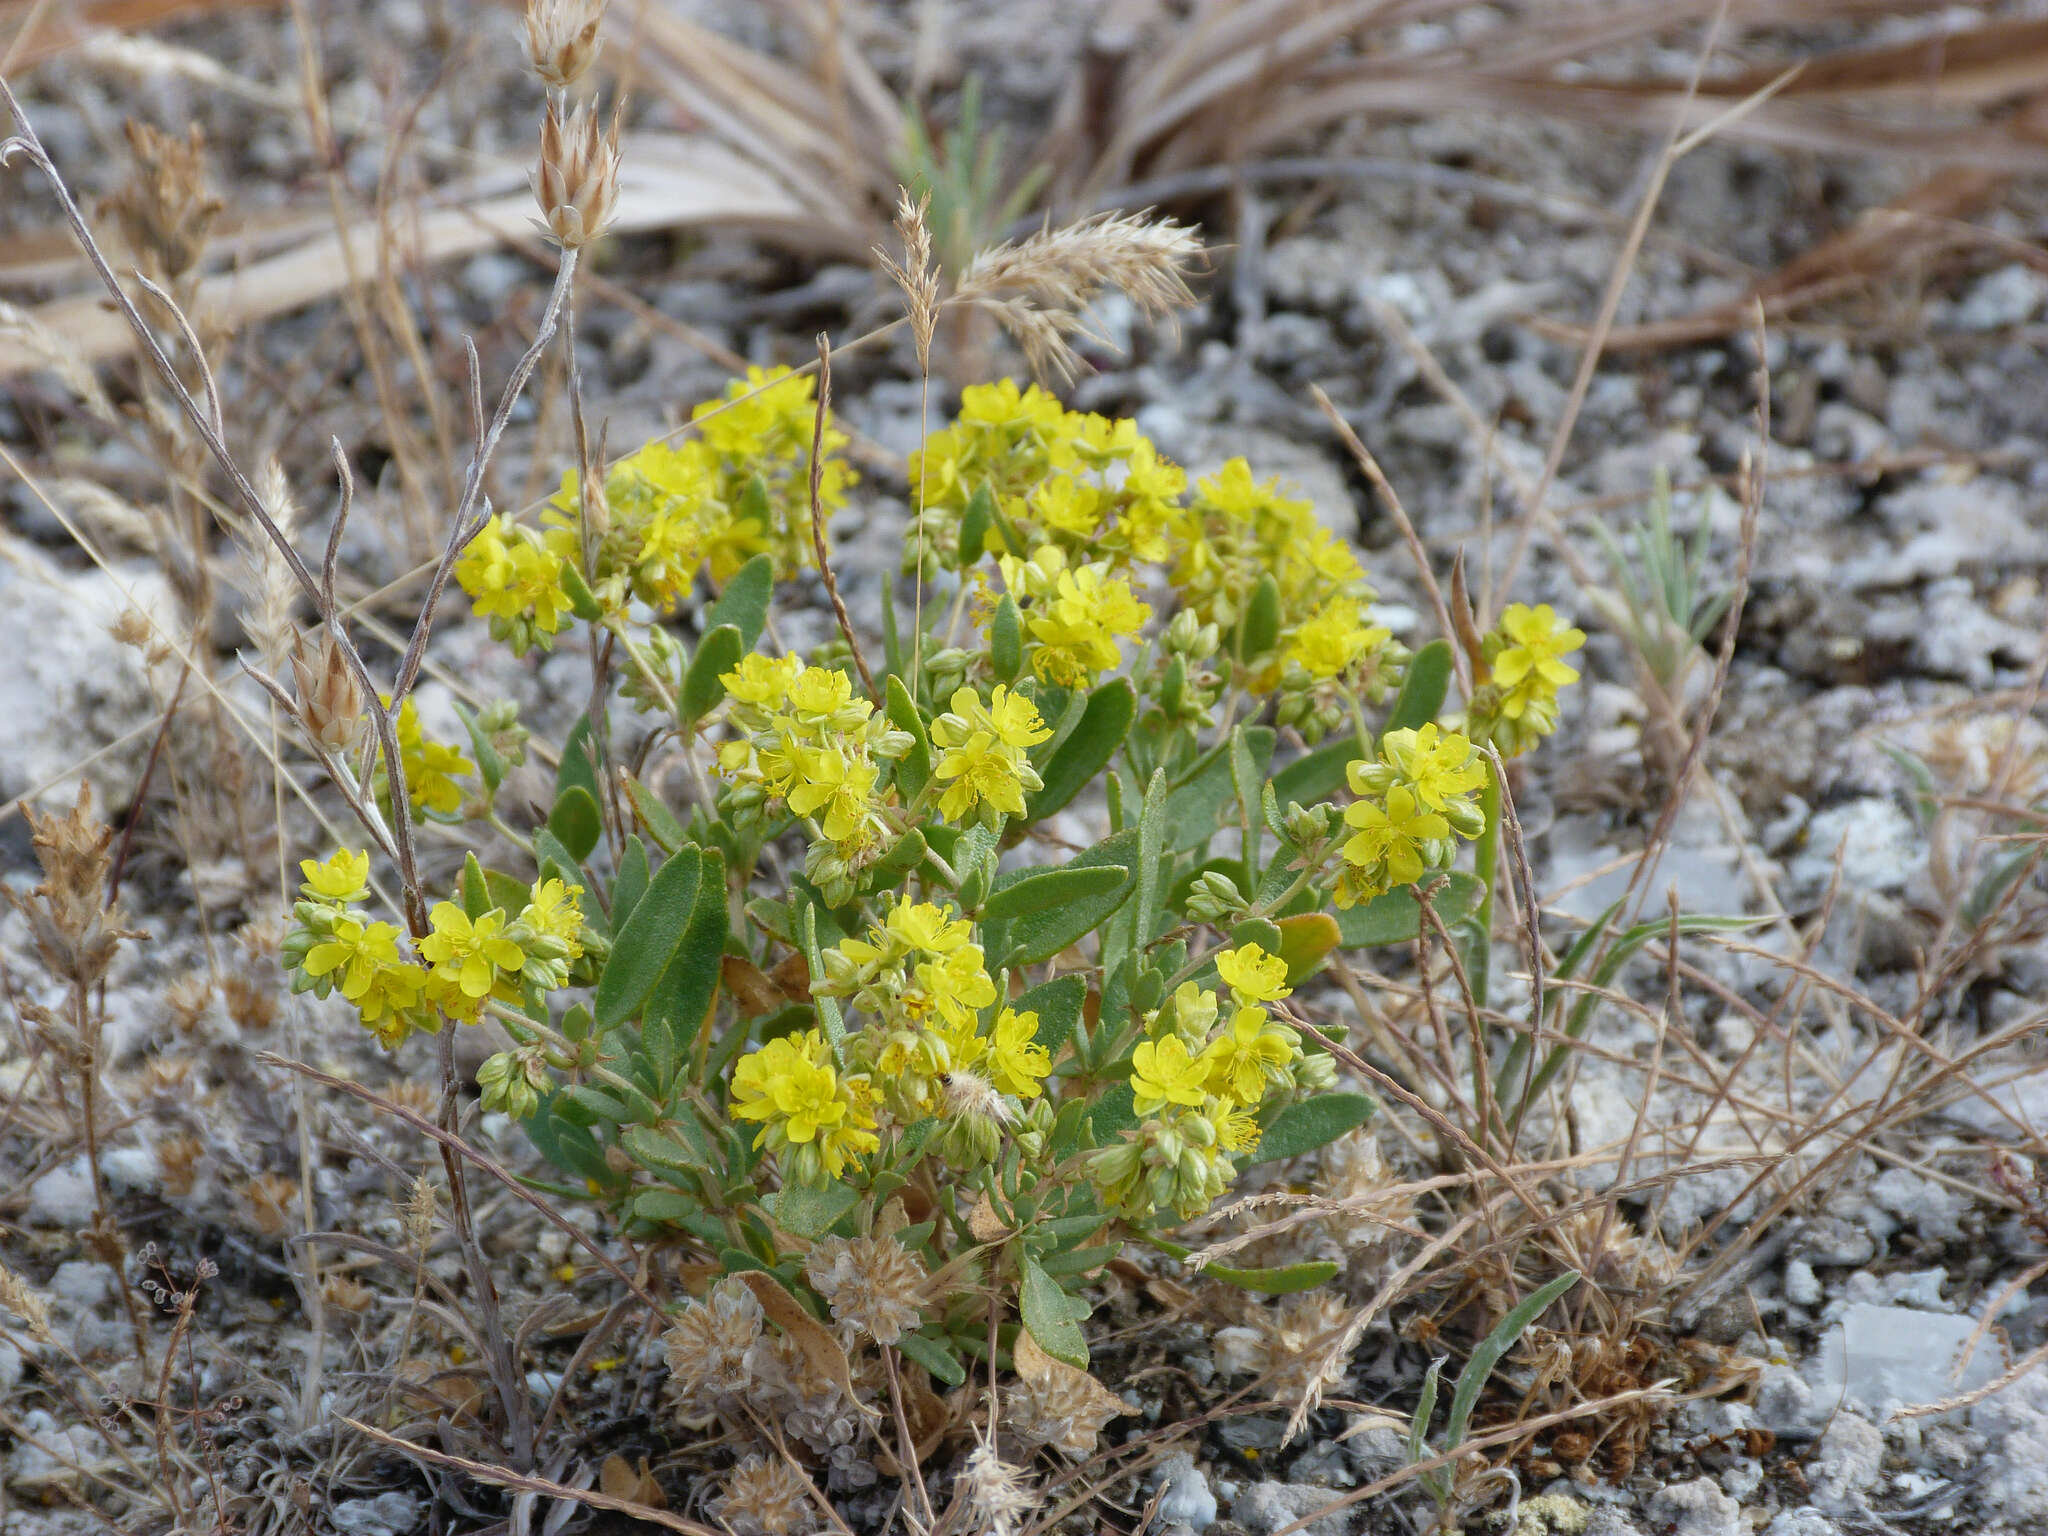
(810, 1335)
(752, 988)
(1041, 1371)
(984, 1224)
(622, 1479)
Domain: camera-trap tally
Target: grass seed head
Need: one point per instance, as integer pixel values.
(76, 931)
(165, 211)
(578, 180)
(562, 39)
(330, 702)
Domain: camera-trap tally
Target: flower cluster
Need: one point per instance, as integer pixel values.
(756, 443)
(462, 962)
(1516, 706)
(514, 580)
(1074, 616)
(1411, 801)
(804, 741)
(1198, 1084)
(812, 1117)
(431, 768)
(982, 761)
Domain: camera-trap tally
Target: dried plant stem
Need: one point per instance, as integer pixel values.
(85, 1022)
(818, 517)
(906, 1444)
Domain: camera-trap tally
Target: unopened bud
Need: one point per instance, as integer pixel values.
(330, 704)
(578, 182)
(561, 38)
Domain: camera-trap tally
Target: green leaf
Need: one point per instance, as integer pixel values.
(664, 1147)
(915, 766)
(594, 1104)
(1312, 1123)
(1115, 1112)
(582, 601)
(630, 884)
(1260, 626)
(566, 1144)
(1425, 1409)
(655, 819)
(476, 892)
(975, 523)
(668, 1206)
(1151, 852)
(1049, 1316)
(576, 821)
(717, 654)
(944, 1365)
(830, 1018)
(575, 768)
(1491, 1348)
(1316, 776)
(1422, 691)
(808, 1211)
(1058, 1004)
(1395, 917)
(1033, 890)
(681, 1001)
(1088, 748)
(1006, 640)
(648, 939)
(1277, 1282)
(1304, 940)
(1041, 935)
(1196, 806)
(490, 765)
(744, 602)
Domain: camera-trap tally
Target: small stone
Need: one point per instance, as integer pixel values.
(1188, 1501)
(1552, 1514)
(1849, 1460)
(1802, 1288)
(1801, 1522)
(1609, 1521)
(1832, 1240)
(1377, 1452)
(62, 1198)
(1879, 1356)
(1930, 1209)
(1697, 1508)
(1785, 1402)
(2015, 1421)
(1267, 1507)
(81, 1283)
(1877, 842)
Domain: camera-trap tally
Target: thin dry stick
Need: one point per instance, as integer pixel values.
(500, 1477)
(1417, 552)
(818, 516)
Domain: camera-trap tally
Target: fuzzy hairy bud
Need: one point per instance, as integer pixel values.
(577, 184)
(562, 40)
(330, 703)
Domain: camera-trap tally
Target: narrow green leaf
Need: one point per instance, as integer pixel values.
(582, 601)
(1041, 935)
(1104, 723)
(1491, 1348)
(1315, 776)
(1006, 640)
(1425, 1409)
(975, 522)
(664, 1147)
(1197, 804)
(1058, 1004)
(647, 940)
(476, 892)
(1151, 853)
(1033, 890)
(744, 602)
(575, 768)
(681, 1001)
(1395, 917)
(1048, 1315)
(630, 884)
(943, 1364)
(915, 766)
(808, 1211)
(595, 1103)
(490, 765)
(576, 821)
(1422, 691)
(664, 1206)
(830, 1018)
(1277, 1282)
(1260, 626)
(717, 654)
(655, 819)
(1312, 1123)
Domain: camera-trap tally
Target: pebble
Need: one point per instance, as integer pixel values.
(1800, 1522)
(388, 1514)
(1697, 1508)
(1189, 1500)
(1930, 1209)
(1875, 1357)
(1849, 1460)
(1832, 1240)
(1267, 1507)
(1802, 1287)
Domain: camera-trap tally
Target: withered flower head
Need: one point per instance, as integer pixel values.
(165, 211)
(76, 931)
(872, 1283)
(764, 1496)
(708, 1343)
(577, 185)
(562, 39)
(330, 703)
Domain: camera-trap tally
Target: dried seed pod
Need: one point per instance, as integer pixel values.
(578, 180)
(330, 703)
(562, 39)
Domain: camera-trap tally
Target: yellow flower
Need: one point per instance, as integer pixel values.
(468, 955)
(1254, 975)
(1336, 637)
(1244, 1057)
(826, 780)
(1391, 838)
(1018, 1063)
(343, 878)
(354, 950)
(516, 582)
(1237, 1131)
(762, 681)
(1539, 639)
(957, 986)
(556, 917)
(1441, 766)
(388, 1005)
(982, 762)
(1075, 630)
(430, 766)
(792, 1088)
(1162, 1072)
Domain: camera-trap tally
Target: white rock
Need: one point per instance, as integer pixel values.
(388, 1514)
(1609, 1521)
(1801, 1522)
(62, 1197)
(1189, 1500)
(81, 1283)
(2016, 1422)
(1878, 843)
(2011, 295)
(1933, 1210)
(1697, 1508)
(1267, 1507)
(1802, 1287)
(69, 687)
(1877, 1358)
(1849, 1460)
(10, 1366)
(131, 1170)
(49, 1452)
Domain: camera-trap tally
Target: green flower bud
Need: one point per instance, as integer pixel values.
(512, 1082)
